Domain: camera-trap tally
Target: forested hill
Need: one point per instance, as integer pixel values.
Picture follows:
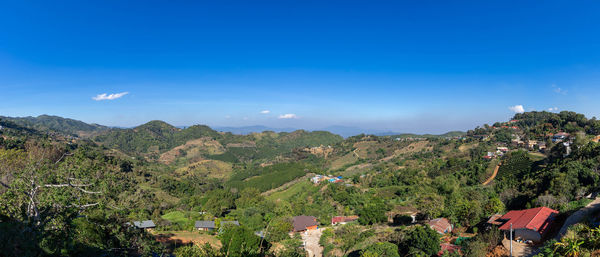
(157, 137)
(48, 123)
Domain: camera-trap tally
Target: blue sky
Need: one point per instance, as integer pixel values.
(406, 66)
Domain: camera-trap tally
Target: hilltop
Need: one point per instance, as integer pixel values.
(48, 123)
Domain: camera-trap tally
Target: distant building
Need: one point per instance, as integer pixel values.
(449, 248)
(532, 143)
(320, 178)
(441, 225)
(559, 137)
(343, 219)
(205, 225)
(304, 223)
(542, 146)
(529, 224)
(503, 149)
(144, 224)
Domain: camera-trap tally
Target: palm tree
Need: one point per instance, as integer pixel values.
(569, 247)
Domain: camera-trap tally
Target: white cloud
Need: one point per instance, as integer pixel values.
(105, 96)
(265, 112)
(227, 116)
(288, 116)
(517, 108)
(559, 90)
(553, 109)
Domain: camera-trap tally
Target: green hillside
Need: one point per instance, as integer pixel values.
(152, 137)
(49, 123)
(259, 180)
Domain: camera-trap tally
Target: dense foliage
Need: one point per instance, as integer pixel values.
(63, 195)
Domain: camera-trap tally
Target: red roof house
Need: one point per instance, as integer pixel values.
(303, 223)
(441, 225)
(449, 248)
(343, 219)
(529, 224)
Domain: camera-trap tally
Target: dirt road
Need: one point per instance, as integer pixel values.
(519, 249)
(490, 179)
(578, 216)
(311, 242)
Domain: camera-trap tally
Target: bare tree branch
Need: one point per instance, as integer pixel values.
(63, 156)
(83, 206)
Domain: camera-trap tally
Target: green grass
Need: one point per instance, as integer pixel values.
(184, 220)
(299, 187)
(536, 156)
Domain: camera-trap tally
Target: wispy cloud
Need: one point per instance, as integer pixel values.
(559, 90)
(105, 96)
(553, 109)
(517, 108)
(265, 112)
(288, 116)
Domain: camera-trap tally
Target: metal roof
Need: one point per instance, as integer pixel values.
(144, 224)
(205, 224)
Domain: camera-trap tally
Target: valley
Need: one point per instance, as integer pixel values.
(200, 192)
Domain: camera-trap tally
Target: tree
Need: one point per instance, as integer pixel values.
(239, 241)
(569, 247)
(278, 230)
(219, 201)
(431, 205)
(193, 251)
(421, 239)
(385, 249)
(347, 237)
(372, 213)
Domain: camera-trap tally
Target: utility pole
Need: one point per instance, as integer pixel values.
(511, 232)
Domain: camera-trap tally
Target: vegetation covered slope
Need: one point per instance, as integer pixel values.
(47, 123)
(222, 177)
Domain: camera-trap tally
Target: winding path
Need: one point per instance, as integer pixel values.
(490, 179)
(579, 215)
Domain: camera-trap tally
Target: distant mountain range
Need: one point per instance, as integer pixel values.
(80, 128)
(344, 131)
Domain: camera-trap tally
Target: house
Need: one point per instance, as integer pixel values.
(342, 219)
(560, 136)
(494, 220)
(441, 225)
(319, 178)
(147, 225)
(449, 248)
(542, 146)
(303, 223)
(205, 225)
(531, 144)
(529, 224)
(503, 149)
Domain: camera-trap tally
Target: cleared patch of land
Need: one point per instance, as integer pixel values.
(209, 168)
(193, 148)
(186, 237)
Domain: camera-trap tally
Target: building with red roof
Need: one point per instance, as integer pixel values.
(448, 248)
(441, 225)
(303, 223)
(342, 219)
(529, 224)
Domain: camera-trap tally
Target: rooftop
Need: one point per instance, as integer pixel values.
(537, 219)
